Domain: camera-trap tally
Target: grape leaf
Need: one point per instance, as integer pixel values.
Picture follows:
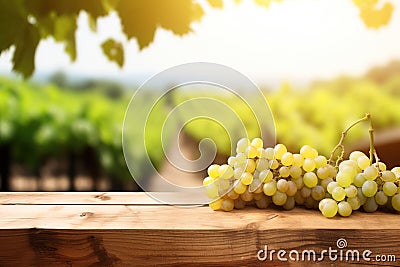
(114, 51)
(373, 16)
(216, 3)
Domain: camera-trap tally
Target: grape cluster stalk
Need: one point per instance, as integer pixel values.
(261, 177)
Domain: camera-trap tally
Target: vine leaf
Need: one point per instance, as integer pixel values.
(114, 51)
(372, 16)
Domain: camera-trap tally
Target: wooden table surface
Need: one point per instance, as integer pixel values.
(132, 229)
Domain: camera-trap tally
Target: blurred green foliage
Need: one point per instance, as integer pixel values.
(42, 121)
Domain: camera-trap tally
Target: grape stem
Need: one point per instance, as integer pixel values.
(372, 151)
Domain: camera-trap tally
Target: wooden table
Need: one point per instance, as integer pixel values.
(132, 229)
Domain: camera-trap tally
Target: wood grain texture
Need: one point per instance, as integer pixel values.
(64, 229)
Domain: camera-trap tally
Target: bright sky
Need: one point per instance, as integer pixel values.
(296, 40)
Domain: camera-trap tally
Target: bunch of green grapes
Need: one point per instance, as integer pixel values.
(361, 184)
(260, 176)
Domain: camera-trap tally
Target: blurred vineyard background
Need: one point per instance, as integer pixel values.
(63, 135)
(62, 130)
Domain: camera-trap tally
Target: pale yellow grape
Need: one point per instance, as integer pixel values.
(295, 172)
(332, 170)
(239, 203)
(223, 184)
(247, 196)
(255, 185)
(257, 142)
(369, 188)
(320, 161)
(265, 176)
(292, 189)
(208, 180)
(355, 155)
(239, 187)
(246, 178)
(250, 165)
(389, 188)
(251, 152)
(363, 162)
(381, 198)
(299, 182)
(348, 163)
(318, 192)
(388, 176)
(241, 158)
(323, 172)
(261, 153)
(396, 202)
(328, 207)
(274, 164)
(309, 164)
(396, 171)
(284, 171)
(382, 166)
(270, 188)
(359, 179)
(338, 193)
(216, 204)
(290, 203)
(282, 185)
(262, 164)
(279, 198)
(242, 144)
(232, 194)
(231, 161)
(351, 191)
(331, 186)
(227, 204)
(344, 208)
(325, 182)
(310, 179)
(298, 160)
(213, 171)
(370, 205)
(279, 150)
(308, 152)
(238, 165)
(354, 202)
(370, 173)
(237, 173)
(287, 159)
(212, 191)
(305, 192)
(225, 171)
(270, 153)
(344, 179)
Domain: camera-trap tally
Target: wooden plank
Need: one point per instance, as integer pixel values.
(94, 198)
(127, 233)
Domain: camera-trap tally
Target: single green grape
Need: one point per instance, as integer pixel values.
(310, 179)
(270, 188)
(344, 208)
(338, 193)
(279, 198)
(369, 188)
(279, 150)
